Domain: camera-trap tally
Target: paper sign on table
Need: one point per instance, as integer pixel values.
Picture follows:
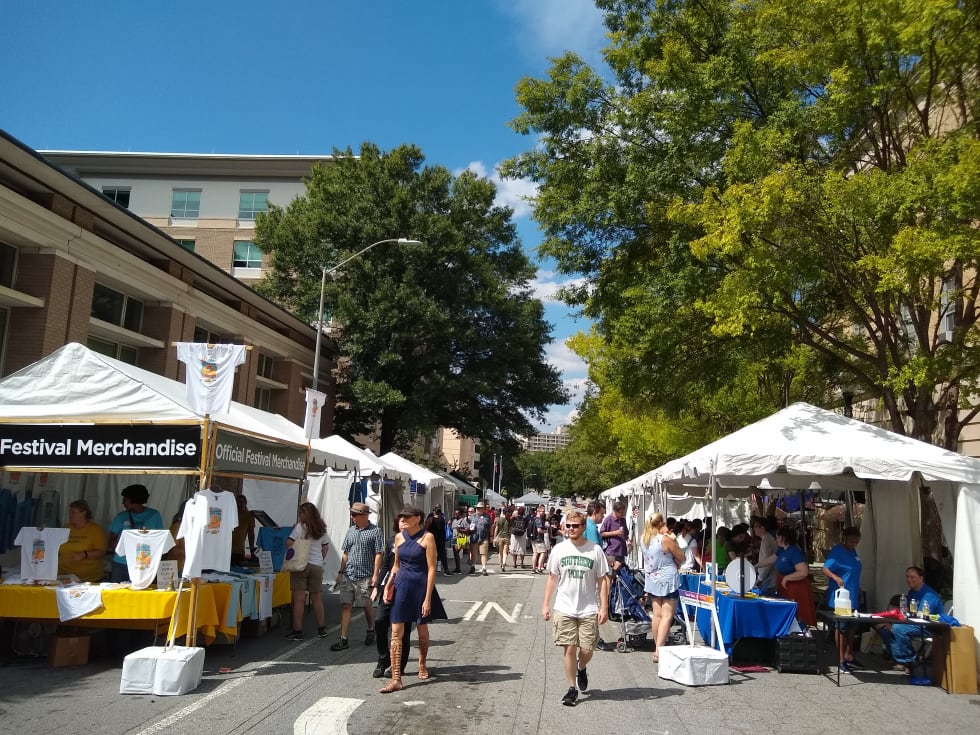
(265, 562)
(167, 574)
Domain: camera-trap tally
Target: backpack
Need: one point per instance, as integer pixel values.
(518, 526)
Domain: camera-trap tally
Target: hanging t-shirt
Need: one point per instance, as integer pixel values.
(273, 540)
(143, 551)
(39, 551)
(210, 374)
(77, 600)
(148, 518)
(209, 521)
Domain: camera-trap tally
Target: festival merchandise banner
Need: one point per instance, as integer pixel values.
(251, 456)
(109, 446)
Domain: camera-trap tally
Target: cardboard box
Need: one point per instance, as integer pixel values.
(955, 659)
(68, 650)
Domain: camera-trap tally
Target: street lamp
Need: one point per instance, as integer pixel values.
(323, 285)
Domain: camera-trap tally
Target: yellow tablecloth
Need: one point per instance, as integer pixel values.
(149, 609)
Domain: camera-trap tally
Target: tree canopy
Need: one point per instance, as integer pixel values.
(772, 200)
(445, 333)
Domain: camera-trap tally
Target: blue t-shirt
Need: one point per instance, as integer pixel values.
(148, 518)
(846, 564)
(925, 592)
(592, 532)
(788, 558)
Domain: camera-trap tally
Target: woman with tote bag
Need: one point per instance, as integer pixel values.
(310, 531)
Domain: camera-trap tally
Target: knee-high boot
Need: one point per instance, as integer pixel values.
(423, 631)
(396, 667)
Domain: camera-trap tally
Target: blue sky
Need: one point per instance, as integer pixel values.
(242, 76)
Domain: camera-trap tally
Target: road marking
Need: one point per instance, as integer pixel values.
(489, 607)
(327, 717)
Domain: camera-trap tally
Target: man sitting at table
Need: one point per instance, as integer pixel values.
(898, 637)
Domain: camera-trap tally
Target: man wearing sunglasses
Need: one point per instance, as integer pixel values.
(579, 570)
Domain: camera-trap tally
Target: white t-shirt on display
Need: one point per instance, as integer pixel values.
(210, 374)
(39, 551)
(579, 569)
(206, 527)
(143, 551)
(77, 600)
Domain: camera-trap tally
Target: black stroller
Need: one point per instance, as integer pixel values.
(626, 608)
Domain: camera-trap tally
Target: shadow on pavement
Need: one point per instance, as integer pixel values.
(631, 694)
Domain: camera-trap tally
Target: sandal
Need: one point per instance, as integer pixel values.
(423, 671)
(395, 685)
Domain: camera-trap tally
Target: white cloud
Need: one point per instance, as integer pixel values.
(566, 362)
(552, 27)
(545, 286)
(514, 193)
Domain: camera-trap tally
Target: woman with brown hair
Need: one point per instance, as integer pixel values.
(793, 576)
(309, 525)
(411, 592)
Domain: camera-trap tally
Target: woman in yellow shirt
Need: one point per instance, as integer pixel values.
(82, 554)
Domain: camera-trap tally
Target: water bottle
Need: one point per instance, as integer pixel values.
(913, 606)
(925, 608)
(903, 605)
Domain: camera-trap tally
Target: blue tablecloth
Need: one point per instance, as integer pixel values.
(742, 617)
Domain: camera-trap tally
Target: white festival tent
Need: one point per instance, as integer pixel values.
(77, 388)
(330, 491)
(531, 499)
(438, 490)
(802, 444)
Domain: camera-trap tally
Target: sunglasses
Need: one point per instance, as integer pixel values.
(573, 525)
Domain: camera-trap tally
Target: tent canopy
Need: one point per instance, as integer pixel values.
(416, 471)
(531, 499)
(77, 385)
(367, 462)
(803, 444)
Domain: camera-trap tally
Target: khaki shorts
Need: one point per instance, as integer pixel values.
(539, 547)
(356, 593)
(480, 548)
(581, 632)
(309, 580)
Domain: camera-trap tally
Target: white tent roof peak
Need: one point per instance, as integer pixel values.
(417, 471)
(809, 442)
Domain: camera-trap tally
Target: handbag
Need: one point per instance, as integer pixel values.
(297, 556)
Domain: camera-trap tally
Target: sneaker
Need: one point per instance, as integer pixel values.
(369, 638)
(341, 645)
(296, 635)
(472, 570)
(843, 669)
(582, 679)
(321, 632)
(380, 669)
(484, 572)
(570, 696)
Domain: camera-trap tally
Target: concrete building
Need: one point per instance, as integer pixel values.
(548, 442)
(78, 267)
(206, 202)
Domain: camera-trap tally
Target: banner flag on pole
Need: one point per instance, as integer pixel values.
(314, 410)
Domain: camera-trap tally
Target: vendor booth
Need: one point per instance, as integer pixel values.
(803, 444)
(79, 425)
(427, 489)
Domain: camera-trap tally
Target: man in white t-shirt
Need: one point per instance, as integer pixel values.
(580, 571)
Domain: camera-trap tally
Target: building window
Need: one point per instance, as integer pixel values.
(187, 245)
(123, 353)
(186, 204)
(251, 203)
(267, 366)
(948, 307)
(206, 336)
(8, 259)
(263, 399)
(117, 308)
(118, 194)
(247, 255)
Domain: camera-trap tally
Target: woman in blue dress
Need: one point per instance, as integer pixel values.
(411, 591)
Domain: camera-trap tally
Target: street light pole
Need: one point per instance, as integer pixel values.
(323, 286)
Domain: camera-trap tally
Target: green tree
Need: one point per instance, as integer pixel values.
(774, 193)
(445, 333)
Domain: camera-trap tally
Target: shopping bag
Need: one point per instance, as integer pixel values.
(297, 556)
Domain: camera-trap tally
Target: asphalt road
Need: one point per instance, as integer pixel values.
(495, 671)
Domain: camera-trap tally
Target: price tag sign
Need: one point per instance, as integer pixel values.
(265, 562)
(167, 574)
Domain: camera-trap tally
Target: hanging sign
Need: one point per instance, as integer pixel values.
(251, 456)
(109, 446)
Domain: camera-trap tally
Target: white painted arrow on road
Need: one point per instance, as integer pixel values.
(327, 717)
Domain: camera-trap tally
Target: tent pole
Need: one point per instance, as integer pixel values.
(717, 562)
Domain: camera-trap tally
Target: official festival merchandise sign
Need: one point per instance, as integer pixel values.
(252, 456)
(109, 446)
